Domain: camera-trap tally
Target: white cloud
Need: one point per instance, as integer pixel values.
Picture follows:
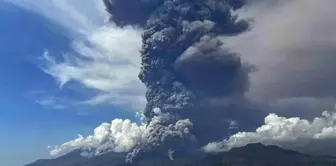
(73, 14)
(51, 102)
(108, 61)
(119, 136)
(287, 132)
(123, 136)
(104, 59)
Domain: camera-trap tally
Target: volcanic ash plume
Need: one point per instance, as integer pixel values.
(195, 87)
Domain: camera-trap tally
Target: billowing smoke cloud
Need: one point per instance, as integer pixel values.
(187, 70)
(189, 74)
(123, 136)
(118, 136)
(209, 56)
(286, 132)
(164, 132)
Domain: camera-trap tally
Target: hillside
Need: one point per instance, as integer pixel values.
(250, 155)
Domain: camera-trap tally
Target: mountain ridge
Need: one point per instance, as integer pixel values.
(250, 155)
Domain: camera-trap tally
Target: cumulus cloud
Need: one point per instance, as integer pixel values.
(118, 136)
(123, 135)
(286, 132)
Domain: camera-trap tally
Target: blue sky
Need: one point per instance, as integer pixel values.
(35, 111)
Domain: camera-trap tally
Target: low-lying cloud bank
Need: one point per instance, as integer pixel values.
(285, 132)
(118, 136)
(123, 135)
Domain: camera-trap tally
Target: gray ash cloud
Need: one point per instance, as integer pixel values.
(193, 82)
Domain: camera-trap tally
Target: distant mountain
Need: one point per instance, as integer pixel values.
(250, 155)
(261, 155)
(75, 158)
(69, 159)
